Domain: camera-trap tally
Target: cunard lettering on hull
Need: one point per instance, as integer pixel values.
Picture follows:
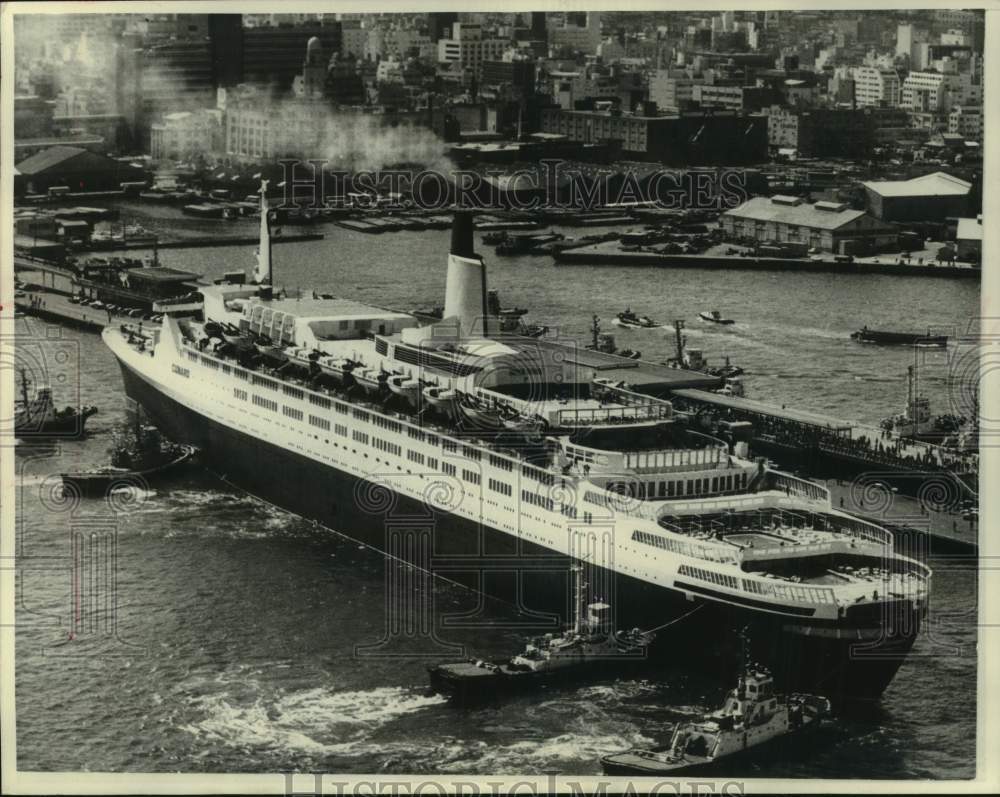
(535, 441)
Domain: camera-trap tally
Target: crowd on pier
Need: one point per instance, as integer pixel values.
(880, 447)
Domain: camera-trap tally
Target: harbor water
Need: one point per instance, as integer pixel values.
(231, 636)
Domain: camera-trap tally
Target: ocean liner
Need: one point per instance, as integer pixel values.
(520, 455)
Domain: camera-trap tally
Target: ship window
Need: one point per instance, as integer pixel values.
(291, 412)
(470, 476)
(670, 489)
(448, 468)
(715, 484)
(704, 485)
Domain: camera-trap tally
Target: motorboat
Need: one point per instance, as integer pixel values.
(715, 317)
(630, 320)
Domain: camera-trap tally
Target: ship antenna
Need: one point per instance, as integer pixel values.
(678, 326)
(262, 273)
(595, 329)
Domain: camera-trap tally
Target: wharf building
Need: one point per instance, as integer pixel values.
(933, 197)
(826, 226)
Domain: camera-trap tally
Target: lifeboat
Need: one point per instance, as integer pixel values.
(478, 416)
(404, 386)
(443, 399)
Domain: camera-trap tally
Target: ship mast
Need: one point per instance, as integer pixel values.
(578, 590)
(595, 329)
(262, 273)
(911, 393)
(678, 326)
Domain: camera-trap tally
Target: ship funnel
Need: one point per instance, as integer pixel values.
(465, 292)
(262, 273)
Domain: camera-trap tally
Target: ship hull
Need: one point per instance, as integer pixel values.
(806, 655)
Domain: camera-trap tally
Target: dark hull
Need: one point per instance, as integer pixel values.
(779, 747)
(899, 338)
(67, 427)
(807, 656)
(92, 484)
(491, 686)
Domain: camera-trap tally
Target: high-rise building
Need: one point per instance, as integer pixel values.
(580, 31)
(273, 55)
(225, 34)
(539, 31)
(467, 48)
(439, 24)
(874, 87)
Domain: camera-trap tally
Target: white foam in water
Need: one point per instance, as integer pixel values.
(298, 721)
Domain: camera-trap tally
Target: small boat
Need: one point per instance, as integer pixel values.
(405, 386)
(443, 399)
(866, 335)
(101, 481)
(585, 647)
(715, 317)
(753, 720)
(335, 368)
(477, 416)
(515, 421)
(39, 417)
(371, 380)
(525, 244)
(495, 237)
(630, 320)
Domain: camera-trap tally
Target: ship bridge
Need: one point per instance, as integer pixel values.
(310, 323)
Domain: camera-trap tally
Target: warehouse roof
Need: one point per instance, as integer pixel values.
(936, 184)
(970, 229)
(785, 210)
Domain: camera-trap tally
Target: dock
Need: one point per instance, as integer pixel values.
(59, 309)
(118, 245)
(609, 253)
(886, 472)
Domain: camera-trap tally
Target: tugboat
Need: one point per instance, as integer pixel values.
(866, 335)
(40, 418)
(715, 317)
(752, 718)
(141, 459)
(581, 648)
(630, 320)
(605, 343)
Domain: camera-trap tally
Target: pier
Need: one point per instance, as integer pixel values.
(609, 253)
(896, 477)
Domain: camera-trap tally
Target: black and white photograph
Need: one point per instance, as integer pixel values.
(405, 398)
